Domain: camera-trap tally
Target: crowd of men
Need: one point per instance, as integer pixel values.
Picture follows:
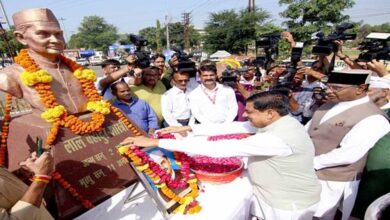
(344, 114)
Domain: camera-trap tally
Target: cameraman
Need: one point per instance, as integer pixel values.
(303, 84)
(374, 65)
(351, 63)
(112, 74)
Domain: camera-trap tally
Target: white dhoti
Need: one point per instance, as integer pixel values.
(336, 195)
(262, 210)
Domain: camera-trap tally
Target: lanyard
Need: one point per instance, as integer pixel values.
(212, 99)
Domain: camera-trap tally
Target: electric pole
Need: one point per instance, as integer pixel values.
(167, 31)
(186, 24)
(5, 14)
(251, 5)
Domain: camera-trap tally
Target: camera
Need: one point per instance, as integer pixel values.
(143, 57)
(291, 67)
(269, 43)
(325, 44)
(185, 63)
(375, 47)
(138, 41)
(319, 93)
(230, 76)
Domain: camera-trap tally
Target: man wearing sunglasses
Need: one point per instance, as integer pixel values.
(343, 130)
(174, 103)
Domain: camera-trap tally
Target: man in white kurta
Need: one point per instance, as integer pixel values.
(212, 102)
(280, 164)
(175, 106)
(348, 94)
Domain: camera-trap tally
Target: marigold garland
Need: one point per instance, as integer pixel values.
(4, 130)
(163, 181)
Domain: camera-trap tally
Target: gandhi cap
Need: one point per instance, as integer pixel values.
(350, 77)
(33, 15)
(379, 82)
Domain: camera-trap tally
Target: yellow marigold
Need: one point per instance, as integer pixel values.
(32, 78)
(85, 74)
(52, 114)
(122, 149)
(99, 106)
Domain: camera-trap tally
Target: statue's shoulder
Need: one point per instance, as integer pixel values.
(12, 70)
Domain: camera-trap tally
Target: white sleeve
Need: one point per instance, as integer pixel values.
(224, 128)
(356, 143)
(257, 145)
(232, 105)
(194, 106)
(166, 109)
(308, 124)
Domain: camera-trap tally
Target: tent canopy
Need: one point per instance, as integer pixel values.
(220, 54)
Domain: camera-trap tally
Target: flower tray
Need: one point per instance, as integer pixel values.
(217, 170)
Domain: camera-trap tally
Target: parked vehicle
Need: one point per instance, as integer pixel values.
(82, 61)
(120, 59)
(96, 60)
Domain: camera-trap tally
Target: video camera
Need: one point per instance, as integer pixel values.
(291, 67)
(325, 44)
(269, 43)
(143, 57)
(185, 63)
(375, 47)
(230, 76)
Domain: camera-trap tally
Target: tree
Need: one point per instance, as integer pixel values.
(305, 17)
(232, 31)
(176, 35)
(124, 39)
(158, 37)
(94, 33)
(149, 34)
(13, 44)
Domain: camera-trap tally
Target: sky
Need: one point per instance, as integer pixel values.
(129, 16)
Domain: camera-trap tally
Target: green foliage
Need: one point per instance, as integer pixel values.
(233, 31)
(299, 14)
(94, 33)
(149, 34)
(124, 39)
(14, 45)
(176, 36)
(158, 37)
(362, 30)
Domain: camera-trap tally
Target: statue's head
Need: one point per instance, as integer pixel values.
(39, 30)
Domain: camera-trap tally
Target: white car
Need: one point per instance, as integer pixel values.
(82, 61)
(96, 60)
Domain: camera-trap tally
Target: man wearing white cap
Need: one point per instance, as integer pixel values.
(343, 130)
(376, 178)
(379, 92)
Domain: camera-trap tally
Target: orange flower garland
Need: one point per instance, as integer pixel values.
(69, 121)
(188, 204)
(4, 130)
(66, 185)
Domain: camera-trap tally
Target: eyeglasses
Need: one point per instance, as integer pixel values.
(335, 88)
(182, 81)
